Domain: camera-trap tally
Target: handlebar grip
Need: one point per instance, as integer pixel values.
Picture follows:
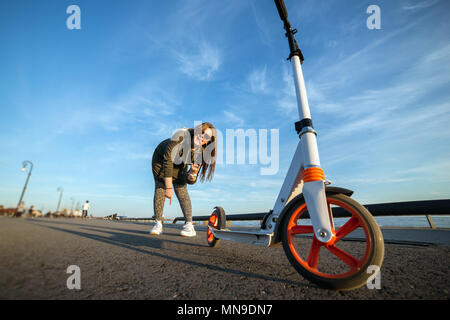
(282, 10)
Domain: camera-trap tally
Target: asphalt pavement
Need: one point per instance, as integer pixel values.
(120, 260)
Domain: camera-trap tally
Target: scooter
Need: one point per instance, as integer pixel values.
(307, 208)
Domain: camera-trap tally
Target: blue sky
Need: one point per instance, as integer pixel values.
(89, 106)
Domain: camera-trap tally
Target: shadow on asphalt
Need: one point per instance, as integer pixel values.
(130, 241)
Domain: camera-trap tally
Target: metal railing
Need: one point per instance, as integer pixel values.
(121, 218)
(410, 208)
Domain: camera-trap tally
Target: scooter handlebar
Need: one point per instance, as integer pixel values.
(282, 10)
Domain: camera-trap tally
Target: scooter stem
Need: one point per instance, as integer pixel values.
(314, 187)
(313, 176)
(302, 99)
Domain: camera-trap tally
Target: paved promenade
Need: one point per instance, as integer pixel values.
(120, 260)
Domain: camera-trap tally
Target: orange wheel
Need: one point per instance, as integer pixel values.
(341, 264)
(216, 220)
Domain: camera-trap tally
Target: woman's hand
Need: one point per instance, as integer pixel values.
(195, 168)
(169, 194)
(192, 174)
(169, 191)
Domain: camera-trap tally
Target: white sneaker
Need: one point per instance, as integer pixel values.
(157, 228)
(188, 230)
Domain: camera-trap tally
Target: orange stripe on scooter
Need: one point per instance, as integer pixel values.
(313, 174)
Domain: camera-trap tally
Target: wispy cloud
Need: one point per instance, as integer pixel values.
(200, 39)
(386, 106)
(142, 104)
(202, 63)
(341, 72)
(263, 29)
(420, 5)
(110, 186)
(258, 81)
(287, 101)
(436, 168)
(232, 118)
(434, 171)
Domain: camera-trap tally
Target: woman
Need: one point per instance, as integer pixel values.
(195, 148)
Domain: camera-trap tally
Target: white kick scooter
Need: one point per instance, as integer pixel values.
(316, 250)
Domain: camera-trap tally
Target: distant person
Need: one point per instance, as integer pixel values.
(20, 209)
(85, 209)
(170, 170)
(31, 211)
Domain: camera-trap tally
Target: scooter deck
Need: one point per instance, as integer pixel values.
(257, 237)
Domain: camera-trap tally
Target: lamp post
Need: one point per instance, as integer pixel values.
(24, 165)
(60, 190)
(71, 209)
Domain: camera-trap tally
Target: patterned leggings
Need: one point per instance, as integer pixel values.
(183, 199)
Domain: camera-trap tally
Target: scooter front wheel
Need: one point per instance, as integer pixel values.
(216, 220)
(343, 263)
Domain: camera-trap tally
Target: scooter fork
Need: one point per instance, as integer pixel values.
(316, 202)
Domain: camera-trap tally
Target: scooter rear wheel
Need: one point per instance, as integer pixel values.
(340, 264)
(216, 220)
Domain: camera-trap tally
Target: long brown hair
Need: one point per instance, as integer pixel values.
(209, 164)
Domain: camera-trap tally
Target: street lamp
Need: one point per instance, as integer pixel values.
(24, 165)
(60, 190)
